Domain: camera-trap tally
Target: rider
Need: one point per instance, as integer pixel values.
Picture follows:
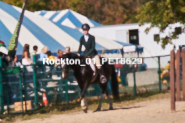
(89, 43)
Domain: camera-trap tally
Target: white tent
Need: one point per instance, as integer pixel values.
(67, 18)
(39, 31)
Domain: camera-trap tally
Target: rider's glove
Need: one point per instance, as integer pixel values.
(78, 54)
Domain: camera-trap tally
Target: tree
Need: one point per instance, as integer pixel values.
(36, 5)
(102, 11)
(107, 11)
(162, 13)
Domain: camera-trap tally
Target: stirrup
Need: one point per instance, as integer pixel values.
(103, 79)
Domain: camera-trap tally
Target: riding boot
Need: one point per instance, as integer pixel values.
(103, 79)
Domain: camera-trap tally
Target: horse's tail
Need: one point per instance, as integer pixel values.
(114, 84)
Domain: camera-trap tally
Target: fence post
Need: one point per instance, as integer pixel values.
(35, 81)
(172, 79)
(1, 87)
(183, 73)
(177, 76)
(20, 87)
(24, 86)
(66, 90)
(134, 75)
(159, 72)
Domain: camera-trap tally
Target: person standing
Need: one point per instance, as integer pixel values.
(59, 56)
(35, 49)
(27, 61)
(26, 48)
(67, 50)
(89, 43)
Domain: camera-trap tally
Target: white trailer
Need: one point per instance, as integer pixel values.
(127, 33)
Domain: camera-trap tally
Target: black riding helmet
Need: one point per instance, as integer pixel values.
(85, 26)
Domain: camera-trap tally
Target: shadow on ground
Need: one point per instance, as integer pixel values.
(75, 106)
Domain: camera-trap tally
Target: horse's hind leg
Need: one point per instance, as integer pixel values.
(104, 88)
(100, 103)
(109, 100)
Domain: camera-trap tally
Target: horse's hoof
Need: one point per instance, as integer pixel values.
(111, 108)
(96, 110)
(85, 110)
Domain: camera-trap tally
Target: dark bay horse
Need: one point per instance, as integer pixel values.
(84, 76)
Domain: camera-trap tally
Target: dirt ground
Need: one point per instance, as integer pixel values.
(155, 111)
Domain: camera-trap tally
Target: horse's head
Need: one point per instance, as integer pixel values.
(68, 63)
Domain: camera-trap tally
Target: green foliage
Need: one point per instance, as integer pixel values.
(162, 13)
(102, 11)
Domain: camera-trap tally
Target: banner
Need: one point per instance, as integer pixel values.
(14, 40)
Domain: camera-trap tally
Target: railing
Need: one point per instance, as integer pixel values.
(19, 85)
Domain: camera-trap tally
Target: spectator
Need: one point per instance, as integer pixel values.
(168, 66)
(123, 74)
(16, 62)
(26, 48)
(67, 50)
(43, 54)
(27, 61)
(35, 49)
(50, 57)
(142, 67)
(59, 54)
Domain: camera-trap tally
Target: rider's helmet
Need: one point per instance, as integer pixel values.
(85, 26)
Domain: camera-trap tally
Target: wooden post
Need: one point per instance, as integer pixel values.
(172, 80)
(159, 73)
(178, 76)
(183, 73)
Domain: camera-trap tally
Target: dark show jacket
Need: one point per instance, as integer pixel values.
(89, 46)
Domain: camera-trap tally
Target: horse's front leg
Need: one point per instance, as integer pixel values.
(109, 100)
(84, 105)
(83, 100)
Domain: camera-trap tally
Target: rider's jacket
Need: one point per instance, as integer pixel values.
(89, 46)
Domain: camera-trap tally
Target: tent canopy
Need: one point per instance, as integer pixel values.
(72, 19)
(130, 47)
(36, 30)
(67, 18)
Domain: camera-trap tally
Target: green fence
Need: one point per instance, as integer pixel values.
(135, 80)
(17, 84)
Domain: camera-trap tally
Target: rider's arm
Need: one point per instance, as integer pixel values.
(92, 48)
(80, 47)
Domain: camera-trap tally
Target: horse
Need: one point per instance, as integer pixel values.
(84, 76)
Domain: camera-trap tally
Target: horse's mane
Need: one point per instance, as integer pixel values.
(73, 56)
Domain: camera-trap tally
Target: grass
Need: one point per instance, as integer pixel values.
(45, 112)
